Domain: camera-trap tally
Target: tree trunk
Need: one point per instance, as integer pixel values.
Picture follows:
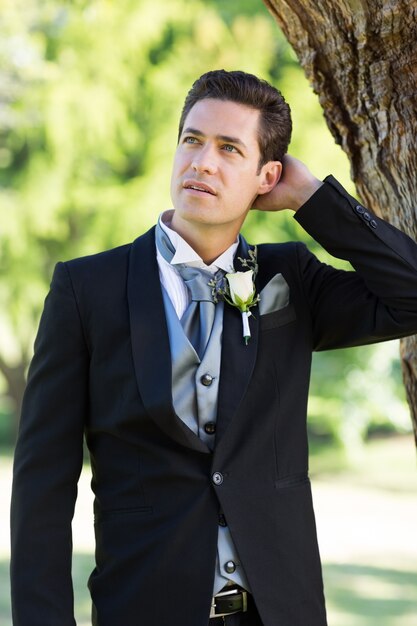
(360, 57)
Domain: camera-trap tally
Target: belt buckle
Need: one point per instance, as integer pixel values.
(232, 592)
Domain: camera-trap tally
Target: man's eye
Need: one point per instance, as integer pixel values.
(190, 140)
(229, 148)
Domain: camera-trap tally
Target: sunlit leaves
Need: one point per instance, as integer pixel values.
(90, 95)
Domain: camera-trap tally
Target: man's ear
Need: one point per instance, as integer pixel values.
(269, 176)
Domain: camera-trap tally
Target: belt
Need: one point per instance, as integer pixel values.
(233, 600)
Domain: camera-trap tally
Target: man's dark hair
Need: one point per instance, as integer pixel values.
(275, 124)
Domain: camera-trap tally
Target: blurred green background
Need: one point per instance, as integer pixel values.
(90, 95)
(90, 99)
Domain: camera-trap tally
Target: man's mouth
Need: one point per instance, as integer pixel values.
(197, 186)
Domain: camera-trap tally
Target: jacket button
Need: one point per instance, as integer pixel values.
(373, 223)
(359, 209)
(217, 478)
(206, 380)
(230, 567)
(222, 520)
(210, 428)
(367, 217)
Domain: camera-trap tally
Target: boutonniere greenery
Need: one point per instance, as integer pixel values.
(238, 290)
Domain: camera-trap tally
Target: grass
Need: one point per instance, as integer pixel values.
(366, 507)
(363, 595)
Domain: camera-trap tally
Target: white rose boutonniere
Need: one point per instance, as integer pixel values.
(239, 291)
(241, 287)
(242, 295)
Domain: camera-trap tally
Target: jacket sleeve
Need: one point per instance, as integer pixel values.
(48, 462)
(377, 301)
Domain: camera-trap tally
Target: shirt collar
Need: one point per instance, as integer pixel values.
(185, 254)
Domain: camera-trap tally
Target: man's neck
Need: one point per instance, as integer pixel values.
(209, 241)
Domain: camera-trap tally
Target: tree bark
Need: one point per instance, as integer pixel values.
(360, 57)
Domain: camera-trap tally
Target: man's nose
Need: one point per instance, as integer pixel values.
(205, 161)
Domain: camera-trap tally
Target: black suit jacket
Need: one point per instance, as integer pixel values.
(102, 368)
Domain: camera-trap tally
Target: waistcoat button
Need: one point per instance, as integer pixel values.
(230, 567)
(206, 380)
(210, 428)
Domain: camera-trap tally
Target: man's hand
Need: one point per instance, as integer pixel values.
(294, 188)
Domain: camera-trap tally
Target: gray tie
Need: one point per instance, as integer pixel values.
(198, 317)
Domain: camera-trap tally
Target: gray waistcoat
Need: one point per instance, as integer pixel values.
(196, 404)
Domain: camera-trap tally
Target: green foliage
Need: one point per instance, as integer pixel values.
(90, 100)
(357, 393)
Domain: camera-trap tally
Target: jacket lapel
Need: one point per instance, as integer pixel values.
(238, 359)
(150, 342)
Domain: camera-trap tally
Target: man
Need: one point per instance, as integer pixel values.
(198, 444)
